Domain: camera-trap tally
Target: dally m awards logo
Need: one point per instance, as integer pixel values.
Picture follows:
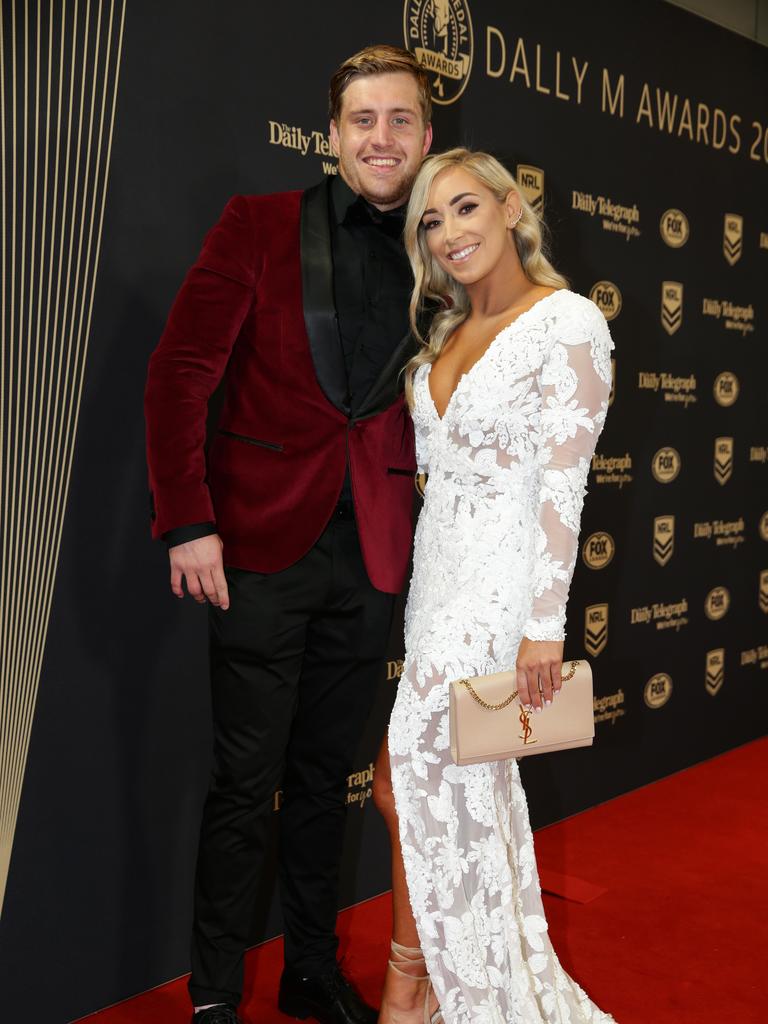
(598, 550)
(658, 690)
(723, 466)
(665, 465)
(714, 672)
(726, 388)
(531, 182)
(671, 306)
(595, 628)
(607, 297)
(716, 603)
(439, 33)
(663, 538)
(762, 595)
(733, 237)
(674, 228)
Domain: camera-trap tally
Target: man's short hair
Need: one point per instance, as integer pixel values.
(378, 60)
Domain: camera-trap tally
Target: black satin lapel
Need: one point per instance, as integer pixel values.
(317, 291)
(389, 383)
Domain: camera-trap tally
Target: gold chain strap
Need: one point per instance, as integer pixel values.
(571, 674)
(505, 703)
(485, 704)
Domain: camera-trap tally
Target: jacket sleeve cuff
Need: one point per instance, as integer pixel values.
(182, 534)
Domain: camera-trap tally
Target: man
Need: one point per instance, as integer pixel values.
(297, 528)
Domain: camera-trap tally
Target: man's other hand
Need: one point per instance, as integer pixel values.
(200, 563)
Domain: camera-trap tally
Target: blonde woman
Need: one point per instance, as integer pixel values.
(508, 395)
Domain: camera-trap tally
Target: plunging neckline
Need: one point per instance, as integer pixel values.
(489, 346)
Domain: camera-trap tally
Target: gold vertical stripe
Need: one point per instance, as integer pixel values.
(52, 223)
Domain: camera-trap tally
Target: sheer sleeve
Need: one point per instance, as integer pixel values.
(575, 384)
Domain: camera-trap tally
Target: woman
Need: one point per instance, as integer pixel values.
(508, 396)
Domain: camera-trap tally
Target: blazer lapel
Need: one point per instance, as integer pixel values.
(317, 290)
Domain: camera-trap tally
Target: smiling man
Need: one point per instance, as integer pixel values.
(295, 527)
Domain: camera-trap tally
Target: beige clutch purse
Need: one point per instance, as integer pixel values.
(487, 723)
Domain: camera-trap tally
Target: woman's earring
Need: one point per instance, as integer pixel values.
(516, 220)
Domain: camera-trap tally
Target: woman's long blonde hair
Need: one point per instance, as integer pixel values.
(431, 282)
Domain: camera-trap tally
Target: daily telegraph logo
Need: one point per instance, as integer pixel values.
(726, 388)
(723, 466)
(439, 33)
(732, 316)
(598, 550)
(674, 228)
(616, 217)
(762, 596)
(531, 182)
(595, 628)
(716, 603)
(733, 237)
(607, 297)
(671, 306)
(658, 690)
(665, 465)
(663, 538)
(714, 672)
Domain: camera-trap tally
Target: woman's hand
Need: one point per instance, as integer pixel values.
(538, 660)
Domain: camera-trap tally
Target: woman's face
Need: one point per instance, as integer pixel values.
(466, 227)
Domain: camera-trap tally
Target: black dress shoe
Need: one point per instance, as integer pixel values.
(328, 997)
(224, 1013)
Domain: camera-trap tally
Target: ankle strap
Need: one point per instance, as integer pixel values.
(412, 952)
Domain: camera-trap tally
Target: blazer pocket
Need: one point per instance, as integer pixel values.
(396, 471)
(251, 440)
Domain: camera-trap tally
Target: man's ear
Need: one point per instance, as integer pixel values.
(427, 140)
(333, 131)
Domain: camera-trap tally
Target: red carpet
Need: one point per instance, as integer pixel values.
(677, 935)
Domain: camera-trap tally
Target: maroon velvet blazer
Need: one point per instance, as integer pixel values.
(257, 307)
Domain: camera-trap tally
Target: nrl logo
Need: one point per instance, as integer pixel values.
(723, 459)
(762, 599)
(663, 538)
(595, 628)
(531, 182)
(733, 237)
(714, 674)
(671, 306)
(439, 33)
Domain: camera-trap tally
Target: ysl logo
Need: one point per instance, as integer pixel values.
(525, 717)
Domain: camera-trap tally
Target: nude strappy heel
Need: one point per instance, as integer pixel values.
(413, 956)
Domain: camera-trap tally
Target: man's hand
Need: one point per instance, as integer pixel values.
(199, 561)
(539, 660)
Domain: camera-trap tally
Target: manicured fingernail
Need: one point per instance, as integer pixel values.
(537, 710)
(547, 702)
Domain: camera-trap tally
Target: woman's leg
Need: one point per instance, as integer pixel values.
(405, 988)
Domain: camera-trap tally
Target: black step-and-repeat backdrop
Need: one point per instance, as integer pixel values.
(641, 130)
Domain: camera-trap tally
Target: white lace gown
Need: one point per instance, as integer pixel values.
(495, 548)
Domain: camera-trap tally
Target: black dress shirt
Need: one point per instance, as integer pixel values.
(372, 284)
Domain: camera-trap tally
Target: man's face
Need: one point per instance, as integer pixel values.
(380, 137)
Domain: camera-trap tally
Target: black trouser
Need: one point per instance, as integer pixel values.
(294, 666)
